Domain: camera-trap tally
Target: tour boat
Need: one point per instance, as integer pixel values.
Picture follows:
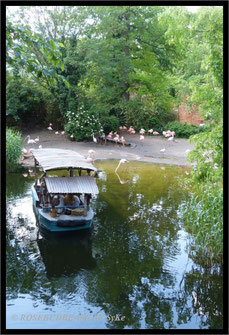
(69, 214)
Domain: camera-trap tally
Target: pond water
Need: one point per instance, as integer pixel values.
(131, 271)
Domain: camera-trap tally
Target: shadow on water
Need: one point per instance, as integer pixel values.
(66, 253)
(134, 262)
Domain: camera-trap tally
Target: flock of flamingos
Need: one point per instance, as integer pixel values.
(111, 136)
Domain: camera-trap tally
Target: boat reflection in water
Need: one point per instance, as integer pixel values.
(66, 253)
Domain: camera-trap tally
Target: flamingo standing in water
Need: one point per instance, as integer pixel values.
(122, 161)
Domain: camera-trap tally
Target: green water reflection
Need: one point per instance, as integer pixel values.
(133, 263)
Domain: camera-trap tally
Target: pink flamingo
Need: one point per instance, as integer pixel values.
(122, 161)
(123, 141)
(116, 138)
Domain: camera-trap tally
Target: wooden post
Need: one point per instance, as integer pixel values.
(80, 172)
(35, 171)
(85, 205)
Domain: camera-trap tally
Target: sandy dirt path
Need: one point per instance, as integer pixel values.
(142, 150)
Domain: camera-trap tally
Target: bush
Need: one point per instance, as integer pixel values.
(110, 123)
(203, 217)
(82, 125)
(24, 101)
(140, 114)
(159, 119)
(13, 148)
(183, 129)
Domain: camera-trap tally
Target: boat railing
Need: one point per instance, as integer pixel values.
(48, 208)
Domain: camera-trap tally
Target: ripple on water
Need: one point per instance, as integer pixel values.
(135, 262)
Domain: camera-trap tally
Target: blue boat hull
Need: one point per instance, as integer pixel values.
(60, 225)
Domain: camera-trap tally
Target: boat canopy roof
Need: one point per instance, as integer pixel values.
(64, 185)
(59, 159)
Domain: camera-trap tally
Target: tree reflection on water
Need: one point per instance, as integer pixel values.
(133, 263)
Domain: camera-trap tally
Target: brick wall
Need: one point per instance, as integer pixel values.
(185, 115)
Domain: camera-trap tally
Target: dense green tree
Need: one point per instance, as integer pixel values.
(205, 210)
(126, 55)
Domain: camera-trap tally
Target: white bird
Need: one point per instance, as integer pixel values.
(163, 151)
(122, 161)
(91, 154)
(50, 124)
(24, 151)
(142, 137)
(63, 132)
(150, 131)
(123, 140)
(49, 128)
(56, 132)
(40, 147)
(142, 131)
(30, 141)
(37, 139)
(94, 139)
(171, 138)
(72, 136)
(25, 175)
(89, 160)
